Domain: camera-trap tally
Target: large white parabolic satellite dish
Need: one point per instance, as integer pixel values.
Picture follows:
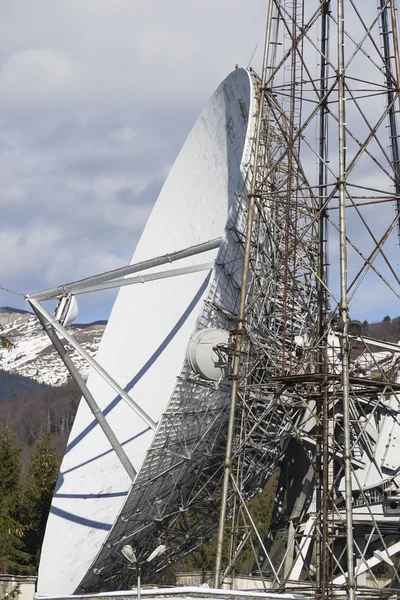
(96, 509)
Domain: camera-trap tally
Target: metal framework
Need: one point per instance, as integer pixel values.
(175, 498)
(307, 393)
(331, 92)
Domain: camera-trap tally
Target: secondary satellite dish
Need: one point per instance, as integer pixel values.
(97, 511)
(207, 353)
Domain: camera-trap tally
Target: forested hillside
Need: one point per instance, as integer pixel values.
(388, 329)
(33, 434)
(29, 415)
(24, 501)
(13, 384)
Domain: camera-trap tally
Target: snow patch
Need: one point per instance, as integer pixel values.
(34, 356)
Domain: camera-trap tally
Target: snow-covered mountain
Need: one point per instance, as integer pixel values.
(33, 355)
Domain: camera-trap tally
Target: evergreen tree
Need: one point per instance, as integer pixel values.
(13, 556)
(5, 343)
(10, 465)
(37, 492)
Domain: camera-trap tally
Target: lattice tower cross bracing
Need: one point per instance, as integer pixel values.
(313, 395)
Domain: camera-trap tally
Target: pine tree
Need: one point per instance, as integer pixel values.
(10, 465)
(13, 556)
(5, 343)
(37, 493)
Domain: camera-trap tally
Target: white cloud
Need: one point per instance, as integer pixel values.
(36, 76)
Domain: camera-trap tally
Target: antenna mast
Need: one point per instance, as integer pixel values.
(311, 391)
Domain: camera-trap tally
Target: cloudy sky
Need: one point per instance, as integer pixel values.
(96, 99)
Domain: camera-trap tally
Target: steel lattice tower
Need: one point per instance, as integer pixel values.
(311, 392)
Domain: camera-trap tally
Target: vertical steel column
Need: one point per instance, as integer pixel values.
(322, 407)
(139, 581)
(392, 91)
(344, 309)
(242, 312)
(395, 43)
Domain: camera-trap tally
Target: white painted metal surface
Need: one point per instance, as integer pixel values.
(181, 592)
(144, 345)
(365, 565)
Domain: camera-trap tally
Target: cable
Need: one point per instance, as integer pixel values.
(12, 291)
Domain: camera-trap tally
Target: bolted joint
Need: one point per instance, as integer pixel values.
(228, 464)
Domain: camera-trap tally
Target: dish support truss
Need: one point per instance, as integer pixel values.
(175, 499)
(307, 392)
